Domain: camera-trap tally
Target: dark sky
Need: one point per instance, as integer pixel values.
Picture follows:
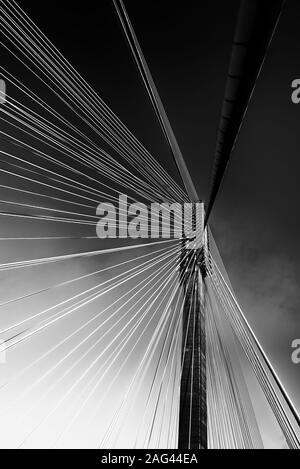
(188, 45)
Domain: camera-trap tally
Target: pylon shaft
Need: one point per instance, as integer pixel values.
(193, 404)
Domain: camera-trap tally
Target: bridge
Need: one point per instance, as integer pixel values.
(139, 343)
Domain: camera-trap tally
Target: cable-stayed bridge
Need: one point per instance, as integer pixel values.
(137, 343)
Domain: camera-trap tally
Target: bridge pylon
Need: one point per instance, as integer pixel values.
(193, 395)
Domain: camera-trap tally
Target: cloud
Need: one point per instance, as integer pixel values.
(265, 277)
